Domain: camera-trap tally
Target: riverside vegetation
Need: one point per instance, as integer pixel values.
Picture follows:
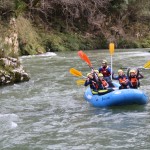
(30, 27)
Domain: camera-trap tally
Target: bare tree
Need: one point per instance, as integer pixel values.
(70, 10)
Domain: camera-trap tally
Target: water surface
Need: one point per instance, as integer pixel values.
(49, 111)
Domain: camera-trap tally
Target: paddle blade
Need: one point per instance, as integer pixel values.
(111, 48)
(147, 64)
(84, 57)
(75, 72)
(80, 82)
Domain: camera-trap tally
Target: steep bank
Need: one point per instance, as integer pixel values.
(72, 25)
(35, 27)
(11, 70)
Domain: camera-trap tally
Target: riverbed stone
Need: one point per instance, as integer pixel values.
(11, 71)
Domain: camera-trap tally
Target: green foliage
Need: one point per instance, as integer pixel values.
(52, 41)
(145, 43)
(117, 6)
(20, 7)
(29, 39)
(1, 48)
(5, 49)
(2, 64)
(122, 43)
(64, 25)
(70, 41)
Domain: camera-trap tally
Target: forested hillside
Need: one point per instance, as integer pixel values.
(62, 25)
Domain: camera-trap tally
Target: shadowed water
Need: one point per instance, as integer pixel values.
(49, 111)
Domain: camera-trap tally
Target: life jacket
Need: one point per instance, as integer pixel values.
(94, 85)
(100, 84)
(105, 72)
(134, 81)
(104, 83)
(91, 83)
(122, 80)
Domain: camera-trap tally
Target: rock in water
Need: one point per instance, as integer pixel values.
(11, 71)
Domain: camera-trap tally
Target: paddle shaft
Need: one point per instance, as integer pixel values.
(111, 67)
(146, 66)
(141, 68)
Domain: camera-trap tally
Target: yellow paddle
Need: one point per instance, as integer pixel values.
(80, 82)
(147, 65)
(76, 73)
(111, 50)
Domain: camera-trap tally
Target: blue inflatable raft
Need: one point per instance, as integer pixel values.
(116, 98)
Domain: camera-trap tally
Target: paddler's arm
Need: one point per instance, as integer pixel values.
(87, 82)
(115, 78)
(140, 76)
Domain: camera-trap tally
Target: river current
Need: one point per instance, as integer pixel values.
(50, 113)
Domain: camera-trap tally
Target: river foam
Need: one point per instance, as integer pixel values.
(48, 54)
(8, 121)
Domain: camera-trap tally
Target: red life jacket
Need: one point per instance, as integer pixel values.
(134, 81)
(105, 72)
(123, 80)
(104, 83)
(95, 85)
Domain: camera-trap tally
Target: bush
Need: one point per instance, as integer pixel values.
(145, 43)
(128, 44)
(70, 41)
(29, 39)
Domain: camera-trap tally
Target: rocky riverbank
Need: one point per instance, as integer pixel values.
(11, 71)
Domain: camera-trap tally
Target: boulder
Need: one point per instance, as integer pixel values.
(11, 71)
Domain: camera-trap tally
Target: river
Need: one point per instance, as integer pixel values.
(50, 113)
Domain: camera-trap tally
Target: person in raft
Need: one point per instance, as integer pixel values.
(90, 80)
(106, 71)
(122, 78)
(95, 74)
(103, 85)
(134, 75)
(98, 86)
